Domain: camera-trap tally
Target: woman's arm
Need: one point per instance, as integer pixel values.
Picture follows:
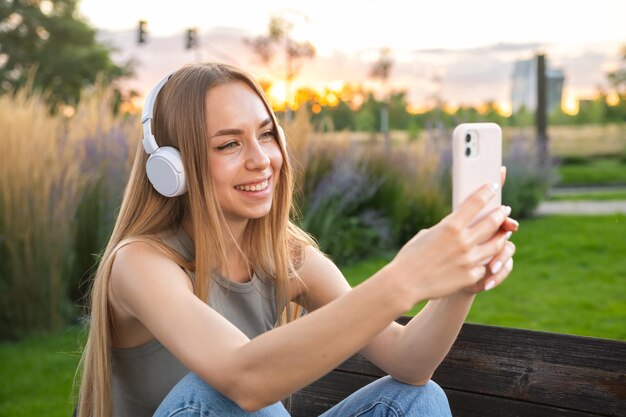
(149, 288)
(254, 373)
(410, 354)
(428, 337)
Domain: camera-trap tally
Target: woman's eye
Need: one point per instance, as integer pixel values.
(229, 145)
(269, 135)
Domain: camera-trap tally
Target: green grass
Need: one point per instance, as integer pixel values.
(569, 277)
(595, 196)
(37, 375)
(596, 171)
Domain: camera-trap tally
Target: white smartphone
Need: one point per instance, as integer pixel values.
(476, 161)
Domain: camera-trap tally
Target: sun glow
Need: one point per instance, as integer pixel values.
(277, 95)
(503, 107)
(319, 94)
(570, 105)
(417, 109)
(612, 99)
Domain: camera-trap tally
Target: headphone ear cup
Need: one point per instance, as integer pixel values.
(281, 136)
(166, 173)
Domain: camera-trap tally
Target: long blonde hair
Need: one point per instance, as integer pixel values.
(273, 245)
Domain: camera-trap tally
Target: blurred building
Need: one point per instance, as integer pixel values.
(524, 91)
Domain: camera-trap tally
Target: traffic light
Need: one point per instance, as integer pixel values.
(192, 38)
(142, 33)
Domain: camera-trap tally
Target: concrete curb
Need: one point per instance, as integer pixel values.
(581, 207)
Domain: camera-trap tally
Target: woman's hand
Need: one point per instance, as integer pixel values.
(501, 265)
(453, 252)
(451, 255)
(509, 224)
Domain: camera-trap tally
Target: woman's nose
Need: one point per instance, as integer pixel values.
(256, 157)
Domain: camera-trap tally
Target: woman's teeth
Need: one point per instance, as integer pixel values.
(255, 187)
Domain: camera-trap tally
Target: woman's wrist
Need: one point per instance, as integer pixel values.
(392, 278)
(461, 296)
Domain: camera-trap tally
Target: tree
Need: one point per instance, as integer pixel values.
(381, 69)
(278, 36)
(617, 78)
(47, 44)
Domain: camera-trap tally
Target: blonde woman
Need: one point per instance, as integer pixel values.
(191, 303)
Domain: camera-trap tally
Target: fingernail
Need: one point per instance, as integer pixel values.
(507, 210)
(496, 267)
(490, 285)
(508, 235)
(495, 186)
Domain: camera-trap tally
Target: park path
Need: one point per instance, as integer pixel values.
(583, 206)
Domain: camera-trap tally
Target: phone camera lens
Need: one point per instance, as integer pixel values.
(468, 151)
(468, 138)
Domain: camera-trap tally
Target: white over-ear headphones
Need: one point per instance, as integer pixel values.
(164, 167)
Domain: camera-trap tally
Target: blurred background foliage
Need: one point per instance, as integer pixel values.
(61, 181)
(45, 44)
(69, 134)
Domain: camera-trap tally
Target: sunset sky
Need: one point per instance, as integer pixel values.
(469, 46)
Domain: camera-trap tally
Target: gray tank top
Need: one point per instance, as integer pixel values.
(143, 376)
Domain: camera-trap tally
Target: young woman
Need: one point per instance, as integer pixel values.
(191, 303)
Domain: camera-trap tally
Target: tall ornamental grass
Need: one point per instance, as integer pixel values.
(61, 179)
(107, 143)
(40, 189)
(358, 198)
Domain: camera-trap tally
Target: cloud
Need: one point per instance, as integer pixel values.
(496, 47)
(466, 75)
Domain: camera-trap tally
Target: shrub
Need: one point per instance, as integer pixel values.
(414, 191)
(60, 183)
(106, 140)
(40, 189)
(527, 182)
(337, 212)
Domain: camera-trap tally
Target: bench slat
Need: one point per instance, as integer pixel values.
(334, 387)
(570, 372)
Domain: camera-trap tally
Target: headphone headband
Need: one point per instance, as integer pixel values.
(164, 166)
(148, 141)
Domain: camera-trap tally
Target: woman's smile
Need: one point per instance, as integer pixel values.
(254, 187)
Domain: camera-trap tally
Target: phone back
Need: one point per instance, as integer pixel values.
(476, 160)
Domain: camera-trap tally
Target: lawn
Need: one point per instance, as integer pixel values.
(569, 277)
(606, 171)
(37, 374)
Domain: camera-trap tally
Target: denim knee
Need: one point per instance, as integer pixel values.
(435, 395)
(420, 400)
(391, 398)
(192, 397)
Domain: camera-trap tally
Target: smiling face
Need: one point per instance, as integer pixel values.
(244, 153)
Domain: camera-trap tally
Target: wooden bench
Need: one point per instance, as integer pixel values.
(501, 372)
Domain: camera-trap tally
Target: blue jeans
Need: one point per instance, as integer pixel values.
(384, 397)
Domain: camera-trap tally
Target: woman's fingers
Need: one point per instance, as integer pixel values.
(494, 273)
(502, 175)
(472, 206)
(490, 250)
(488, 225)
(498, 261)
(510, 225)
(495, 280)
